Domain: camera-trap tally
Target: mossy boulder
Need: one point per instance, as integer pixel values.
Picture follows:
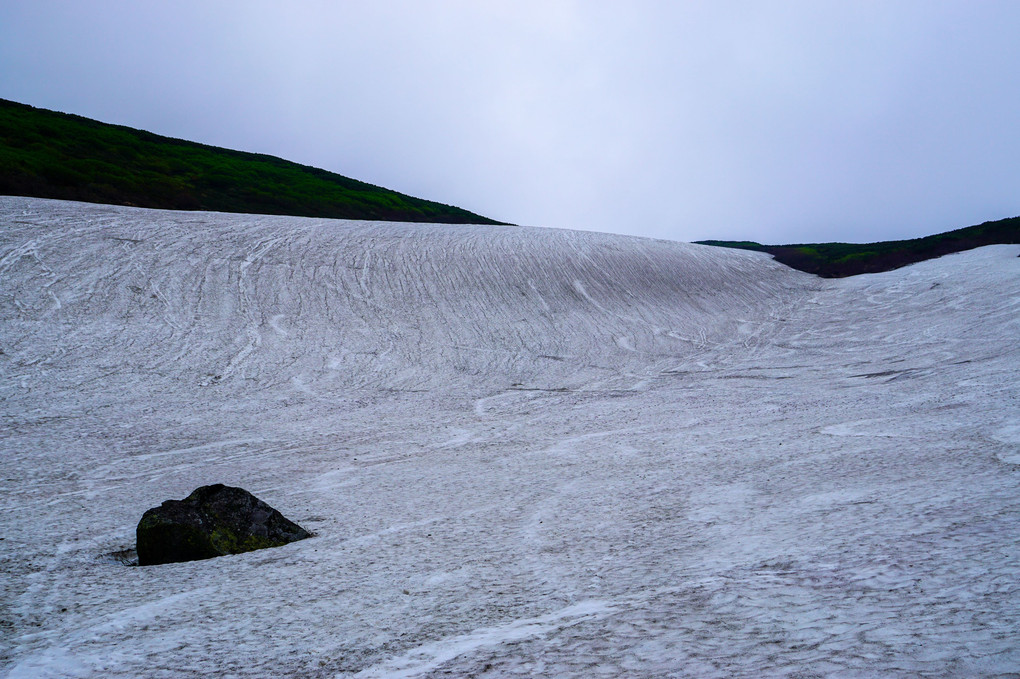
(212, 521)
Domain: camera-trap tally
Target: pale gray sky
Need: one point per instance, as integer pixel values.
(775, 121)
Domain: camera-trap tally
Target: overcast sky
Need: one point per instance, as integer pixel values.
(772, 121)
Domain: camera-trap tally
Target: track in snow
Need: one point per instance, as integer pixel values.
(524, 451)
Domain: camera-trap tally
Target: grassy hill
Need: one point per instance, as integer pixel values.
(837, 260)
(57, 155)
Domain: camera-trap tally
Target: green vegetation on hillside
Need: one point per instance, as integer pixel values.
(57, 155)
(837, 260)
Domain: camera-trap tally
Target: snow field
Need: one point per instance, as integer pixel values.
(523, 452)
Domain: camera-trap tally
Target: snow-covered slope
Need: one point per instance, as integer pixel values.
(525, 451)
(270, 303)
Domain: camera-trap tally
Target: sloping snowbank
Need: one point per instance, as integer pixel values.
(522, 450)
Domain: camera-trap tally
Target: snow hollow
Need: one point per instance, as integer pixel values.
(522, 451)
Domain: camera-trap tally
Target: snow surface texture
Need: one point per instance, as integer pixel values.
(523, 452)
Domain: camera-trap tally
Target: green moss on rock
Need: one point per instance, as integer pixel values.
(212, 521)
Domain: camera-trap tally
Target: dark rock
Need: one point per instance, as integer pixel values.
(212, 521)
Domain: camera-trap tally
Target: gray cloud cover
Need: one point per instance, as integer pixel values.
(774, 121)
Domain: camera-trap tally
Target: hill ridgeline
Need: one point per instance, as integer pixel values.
(45, 154)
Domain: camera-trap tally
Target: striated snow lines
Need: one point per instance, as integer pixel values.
(522, 452)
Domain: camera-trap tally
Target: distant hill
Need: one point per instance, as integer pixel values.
(46, 154)
(838, 260)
